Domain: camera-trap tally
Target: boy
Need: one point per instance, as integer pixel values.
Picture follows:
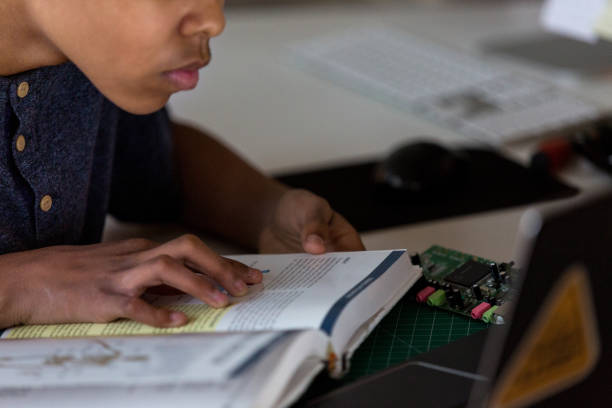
(83, 132)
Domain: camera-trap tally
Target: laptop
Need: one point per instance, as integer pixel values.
(552, 352)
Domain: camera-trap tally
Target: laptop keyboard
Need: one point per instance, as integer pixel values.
(475, 98)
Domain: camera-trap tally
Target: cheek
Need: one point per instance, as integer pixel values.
(121, 46)
(129, 73)
(128, 86)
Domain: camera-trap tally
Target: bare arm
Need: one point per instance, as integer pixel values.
(224, 194)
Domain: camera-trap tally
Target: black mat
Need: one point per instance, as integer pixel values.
(490, 182)
(554, 51)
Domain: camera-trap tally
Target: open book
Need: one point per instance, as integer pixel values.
(310, 313)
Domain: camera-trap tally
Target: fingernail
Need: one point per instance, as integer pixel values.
(254, 273)
(315, 239)
(177, 318)
(240, 286)
(219, 298)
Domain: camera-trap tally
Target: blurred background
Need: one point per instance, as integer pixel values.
(407, 112)
(258, 95)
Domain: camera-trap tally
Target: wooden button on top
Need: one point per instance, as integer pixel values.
(20, 144)
(45, 203)
(23, 89)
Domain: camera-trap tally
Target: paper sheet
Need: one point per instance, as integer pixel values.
(197, 359)
(238, 392)
(604, 23)
(574, 18)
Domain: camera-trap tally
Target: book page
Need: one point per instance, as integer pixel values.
(299, 291)
(201, 359)
(259, 383)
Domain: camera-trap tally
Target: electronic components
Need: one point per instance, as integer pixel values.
(455, 300)
(465, 284)
(438, 298)
(479, 310)
(494, 269)
(504, 310)
(477, 292)
(424, 293)
(488, 315)
(468, 274)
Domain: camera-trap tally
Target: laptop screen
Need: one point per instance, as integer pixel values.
(553, 350)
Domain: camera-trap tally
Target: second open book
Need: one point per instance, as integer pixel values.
(310, 312)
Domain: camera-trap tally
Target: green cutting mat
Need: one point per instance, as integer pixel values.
(409, 329)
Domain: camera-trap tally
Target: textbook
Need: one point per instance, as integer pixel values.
(309, 313)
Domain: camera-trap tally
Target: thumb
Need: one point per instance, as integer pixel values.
(315, 234)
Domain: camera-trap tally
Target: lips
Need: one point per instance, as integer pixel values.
(183, 79)
(186, 77)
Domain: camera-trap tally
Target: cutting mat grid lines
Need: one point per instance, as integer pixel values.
(409, 329)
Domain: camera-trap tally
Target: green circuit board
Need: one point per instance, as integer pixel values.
(469, 285)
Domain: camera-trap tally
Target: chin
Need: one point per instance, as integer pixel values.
(142, 106)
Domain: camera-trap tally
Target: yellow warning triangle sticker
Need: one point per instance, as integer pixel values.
(560, 348)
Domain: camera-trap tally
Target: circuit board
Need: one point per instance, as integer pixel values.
(461, 283)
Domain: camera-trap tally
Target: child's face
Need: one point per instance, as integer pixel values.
(136, 52)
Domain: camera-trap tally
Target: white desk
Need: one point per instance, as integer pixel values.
(281, 118)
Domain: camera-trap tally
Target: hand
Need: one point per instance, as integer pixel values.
(304, 221)
(104, 282)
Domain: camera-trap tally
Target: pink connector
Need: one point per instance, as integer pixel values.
(424, 294)
(479, 310)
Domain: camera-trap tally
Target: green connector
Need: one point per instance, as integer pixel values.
(486, 317)
(438, 298)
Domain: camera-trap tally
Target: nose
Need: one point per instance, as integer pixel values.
(204, 17)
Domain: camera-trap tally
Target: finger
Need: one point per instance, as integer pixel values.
(129, 246)
(165, 270)
(120, 248)
(315, 232)
(343, 237)
(233, 276)
(253, 276)
(135, 308)
(164, 290)
(113, 247)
